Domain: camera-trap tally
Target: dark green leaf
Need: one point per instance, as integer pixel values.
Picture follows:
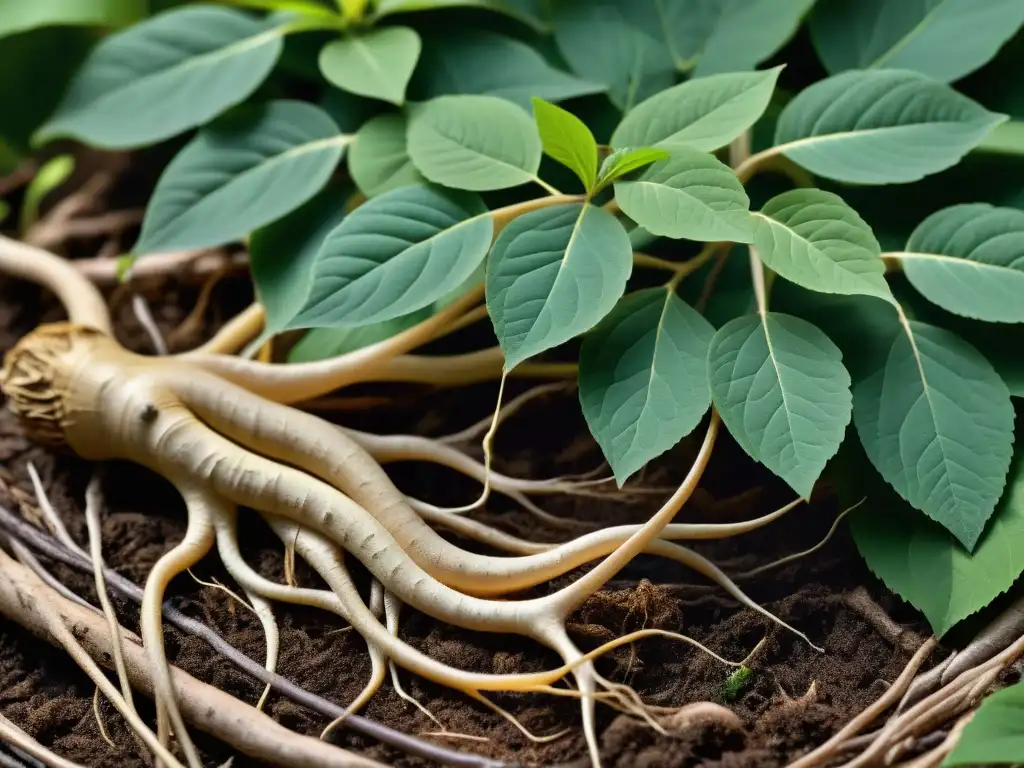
(995, 735)
(482, 62)
(920, 561)
(944, 39)
(22, 15)
(282, 254)
(599, 41)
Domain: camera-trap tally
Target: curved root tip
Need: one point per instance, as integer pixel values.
(701, 712)
(515, 721)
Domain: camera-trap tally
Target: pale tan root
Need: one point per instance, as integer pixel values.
(12, 734)
(208, 708)
(37, 600)
(196, 544)
(98, 716)
(94, 525)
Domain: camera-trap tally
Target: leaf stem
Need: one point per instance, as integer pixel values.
(504, 216)
(547, 187)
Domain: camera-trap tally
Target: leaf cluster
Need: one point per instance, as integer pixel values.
(842, 280)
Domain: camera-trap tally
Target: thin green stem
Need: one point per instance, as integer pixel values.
(547, 187)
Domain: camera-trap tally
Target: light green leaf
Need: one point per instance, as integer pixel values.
(241, 173)
(969, 259)
(376, 64)
(995, 735)
(601, 42)
(22, 15)
(481, 62)
(814, 239)
(689, 195)
(781, 389)
(379, 160)
(308, 8)
(282, 255)
(529, 12)
(624, 161)
(474, 142)
(394, 255)
(1005, 139)
(54, 172)
(746, 32)
(705, 114)
(880, 127)
(936, 421)
(944, 39)
(920, 561)
(566, 139)
(643, 377)
(163, 76)
(553, 274)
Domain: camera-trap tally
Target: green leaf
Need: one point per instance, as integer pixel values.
(553, 274)
(643, 377)
(880, 127)
(969, 259)
(476, 61)
(781, 389)
(282, 255)
(379, 160)
(474, 142)
(920, 561)
(529, 12)
(1005, 139)
(624, 161)
(936, 421)
(170, 73)
(995, 735)
(744, 33)
(5, 210)
(566, 139)
(689, 195)
(705, 114)
(54, 172)
(600, 42)
(944, 39)
(394, 255)
(325, 343)
(241, 173)
(376, 64)
(20, 15)
(814, 239)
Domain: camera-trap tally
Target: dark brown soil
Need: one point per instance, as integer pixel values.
(795, 698)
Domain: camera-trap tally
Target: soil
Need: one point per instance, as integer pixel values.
(794, 699)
